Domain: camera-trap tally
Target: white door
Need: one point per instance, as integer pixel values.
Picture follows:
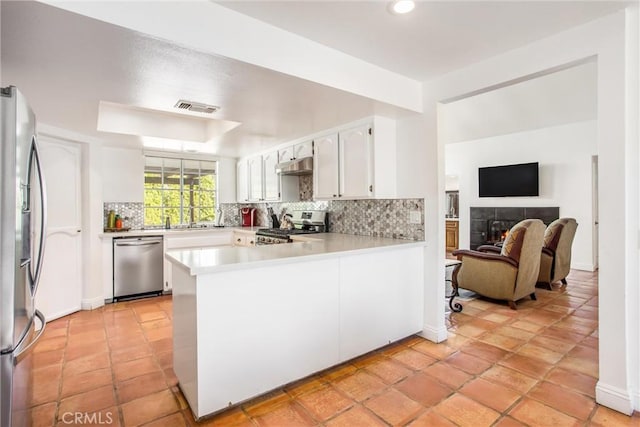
(325, 167)
(255, 178)
(271, 178)
(355, 163)
(242, 188)
(60, 290)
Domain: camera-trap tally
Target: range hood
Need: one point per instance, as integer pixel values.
(302, 166)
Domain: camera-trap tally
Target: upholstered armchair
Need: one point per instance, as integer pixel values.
(509, 275)
(555, 261)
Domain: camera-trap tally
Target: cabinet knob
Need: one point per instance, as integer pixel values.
(238, 240)
(335, 195)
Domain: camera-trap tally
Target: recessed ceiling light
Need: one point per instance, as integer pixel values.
(402, 6)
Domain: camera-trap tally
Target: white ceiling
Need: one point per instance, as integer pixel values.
(563, 97)
(435, 38)
(66, 63)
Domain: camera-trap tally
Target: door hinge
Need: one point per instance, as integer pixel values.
(313, 148)
(370, 131)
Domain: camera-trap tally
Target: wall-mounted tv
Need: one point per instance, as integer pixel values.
(509, 180)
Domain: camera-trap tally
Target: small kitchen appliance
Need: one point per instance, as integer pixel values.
(248, 216)
(304, 222)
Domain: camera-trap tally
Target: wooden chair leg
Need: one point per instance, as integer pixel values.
(564, 281)
(534, 297)
(512, 305)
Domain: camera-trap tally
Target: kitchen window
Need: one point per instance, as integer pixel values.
(182, 190)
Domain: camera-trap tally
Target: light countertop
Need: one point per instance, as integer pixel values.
(304, 248)
(175, 232)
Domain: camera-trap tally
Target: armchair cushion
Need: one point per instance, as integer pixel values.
(512, 246)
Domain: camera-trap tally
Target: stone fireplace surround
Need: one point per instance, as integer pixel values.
(488, 223)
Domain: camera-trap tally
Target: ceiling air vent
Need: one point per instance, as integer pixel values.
(196, 107)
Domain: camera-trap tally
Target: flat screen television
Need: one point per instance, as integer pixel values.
(509, 180)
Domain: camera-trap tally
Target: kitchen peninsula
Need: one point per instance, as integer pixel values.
(250, 319)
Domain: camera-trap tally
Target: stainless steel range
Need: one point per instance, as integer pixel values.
(296, 223)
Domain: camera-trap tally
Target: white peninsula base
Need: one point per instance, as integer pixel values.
(239, 333)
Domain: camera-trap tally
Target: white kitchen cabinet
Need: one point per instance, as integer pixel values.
(295, 151)
(271, 180)
(343, 165)
(242, 182)
(357, 162)
(254, 165)
(258, 181)
(326, 168)
(356, 180)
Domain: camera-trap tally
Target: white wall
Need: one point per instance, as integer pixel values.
(564, 157)
(122, 175)
(618, 192)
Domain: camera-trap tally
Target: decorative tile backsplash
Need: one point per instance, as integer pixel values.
(378, 218)
(132, 213)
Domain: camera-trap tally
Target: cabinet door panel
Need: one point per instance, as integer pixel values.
(355, 162)
(285, 154)
(242, 187)
(325, 165)
(304, 149)
(271, 178)
(255, 178)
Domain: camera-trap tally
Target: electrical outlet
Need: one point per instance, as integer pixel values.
(414, 217)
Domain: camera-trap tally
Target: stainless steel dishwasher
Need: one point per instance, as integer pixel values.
(137, 266)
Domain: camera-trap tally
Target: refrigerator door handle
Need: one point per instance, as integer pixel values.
(22, 352)
(34, 157)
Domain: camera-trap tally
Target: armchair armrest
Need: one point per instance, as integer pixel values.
(460, 253)
(489, 248)
(548, 251)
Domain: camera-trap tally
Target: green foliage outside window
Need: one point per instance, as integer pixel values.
(183, 190)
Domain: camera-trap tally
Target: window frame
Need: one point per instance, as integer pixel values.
(186, 211)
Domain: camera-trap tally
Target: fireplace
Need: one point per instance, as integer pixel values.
(490, 225)
(498, 229)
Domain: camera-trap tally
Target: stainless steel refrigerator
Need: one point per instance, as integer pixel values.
(22, 225)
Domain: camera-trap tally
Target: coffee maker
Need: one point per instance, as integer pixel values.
(248, 216)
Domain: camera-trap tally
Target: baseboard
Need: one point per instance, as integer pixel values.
(93, 303)
(614, 398)
(636, 400)
(583, 266)
(435, 335)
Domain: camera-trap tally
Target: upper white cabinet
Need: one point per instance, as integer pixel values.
(258, 181)
(270, 177)
(342, 165)
(356, 163)
(356, 180)
(254, 165)
(295, 151)
(242, 182)
(326, 184)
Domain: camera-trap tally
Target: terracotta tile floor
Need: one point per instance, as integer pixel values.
(536, 366)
